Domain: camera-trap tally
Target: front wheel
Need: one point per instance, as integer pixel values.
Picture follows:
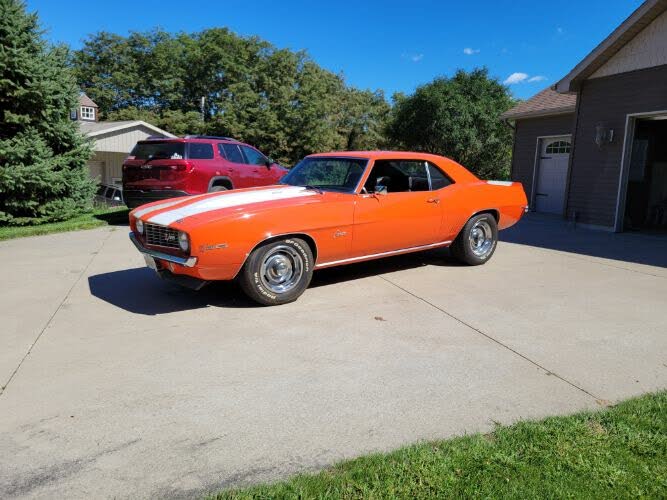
(477, 240)
(277, 272)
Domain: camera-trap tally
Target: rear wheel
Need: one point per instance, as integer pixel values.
(277, 272)
(477, 241)
(215, 189)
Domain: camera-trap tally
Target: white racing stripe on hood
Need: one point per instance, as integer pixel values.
(168, 204)
(228, 200)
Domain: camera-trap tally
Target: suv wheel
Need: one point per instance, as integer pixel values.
(215, 189)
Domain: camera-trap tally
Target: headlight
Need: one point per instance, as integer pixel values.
(140, 226)
(183, 241)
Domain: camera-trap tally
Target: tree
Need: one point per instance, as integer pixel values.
(458, 117)
(276, 99)
(43, 173)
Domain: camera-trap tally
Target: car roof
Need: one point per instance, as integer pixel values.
(397, 155)
(454, 169)
(228, 140)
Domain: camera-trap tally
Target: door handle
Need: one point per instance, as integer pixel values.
(433, 200)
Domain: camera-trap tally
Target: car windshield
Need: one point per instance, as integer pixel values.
(158, 150)
(328, 174)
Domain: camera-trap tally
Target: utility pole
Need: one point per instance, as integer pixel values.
(203, 108)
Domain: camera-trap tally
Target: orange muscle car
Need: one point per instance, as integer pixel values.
(330, 209)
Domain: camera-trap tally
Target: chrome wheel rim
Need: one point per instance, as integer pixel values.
(281, 269)
(481, 238)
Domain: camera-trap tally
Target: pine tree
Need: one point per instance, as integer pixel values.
(43, 173)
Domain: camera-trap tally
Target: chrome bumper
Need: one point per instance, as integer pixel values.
(183, 261)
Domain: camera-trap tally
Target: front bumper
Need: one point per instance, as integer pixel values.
(183, 261)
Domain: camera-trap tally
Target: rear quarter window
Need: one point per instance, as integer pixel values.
(438, 178)
(200, 151)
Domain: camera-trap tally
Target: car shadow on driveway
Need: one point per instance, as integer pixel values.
(140, 291)
(329, 276)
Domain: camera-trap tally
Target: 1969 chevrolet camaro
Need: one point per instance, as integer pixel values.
(330, 209)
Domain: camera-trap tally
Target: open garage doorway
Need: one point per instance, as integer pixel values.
(646, 192)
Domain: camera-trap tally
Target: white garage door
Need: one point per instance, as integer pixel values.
(552, 175)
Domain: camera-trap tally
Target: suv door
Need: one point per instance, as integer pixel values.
(235, 164)
(256, 164)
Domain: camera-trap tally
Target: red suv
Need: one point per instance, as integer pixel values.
(165, 168)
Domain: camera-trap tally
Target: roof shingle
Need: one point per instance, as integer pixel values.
(546, 102)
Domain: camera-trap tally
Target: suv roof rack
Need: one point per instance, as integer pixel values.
(210, 137)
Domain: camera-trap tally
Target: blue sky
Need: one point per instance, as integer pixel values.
(394, 46)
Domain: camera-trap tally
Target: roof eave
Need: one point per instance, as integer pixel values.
(539, 113)
(129, 125)
(650, 9)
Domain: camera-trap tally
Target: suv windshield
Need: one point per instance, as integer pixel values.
(158, 150)
(335, 174)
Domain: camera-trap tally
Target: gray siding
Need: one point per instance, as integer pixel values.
(525, 143)
(595, 172)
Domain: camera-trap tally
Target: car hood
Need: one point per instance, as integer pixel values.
(213, 206)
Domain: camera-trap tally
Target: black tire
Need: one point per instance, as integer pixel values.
(260, 276)
(473, 248)
(215, 189)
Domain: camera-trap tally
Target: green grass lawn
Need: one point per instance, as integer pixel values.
(96, 218)
(620, 452)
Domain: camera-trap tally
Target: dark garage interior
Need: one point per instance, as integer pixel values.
(646, 200)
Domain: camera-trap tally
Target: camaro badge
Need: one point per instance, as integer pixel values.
(206, 248)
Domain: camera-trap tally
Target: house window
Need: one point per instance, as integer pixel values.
(87, 113)
(558, 147)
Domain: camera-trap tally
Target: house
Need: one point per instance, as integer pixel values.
(112, 140)
(593, 148)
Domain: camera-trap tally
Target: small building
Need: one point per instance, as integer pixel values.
(112, 140)
(593, 148)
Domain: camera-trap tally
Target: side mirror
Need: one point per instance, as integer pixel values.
(268, 162)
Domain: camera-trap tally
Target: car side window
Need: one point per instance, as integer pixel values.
(438, 179)
(233, 153)
(398, 176)
(221, 151)
(252, 156)
(200, 151)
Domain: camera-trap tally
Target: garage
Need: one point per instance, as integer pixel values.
(593, 146)
(551, 178)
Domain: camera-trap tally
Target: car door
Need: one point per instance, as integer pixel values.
(235, 165)
(256, 166)
(408, 215)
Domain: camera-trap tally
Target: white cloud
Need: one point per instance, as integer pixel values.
(515, 78)
(411, 56)
(470, 51)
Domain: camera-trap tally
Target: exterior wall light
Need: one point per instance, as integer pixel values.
(603, 135)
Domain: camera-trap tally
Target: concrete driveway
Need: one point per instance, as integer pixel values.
(117, 384)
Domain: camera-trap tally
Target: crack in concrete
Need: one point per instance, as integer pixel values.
(3, 388)
(492, 339)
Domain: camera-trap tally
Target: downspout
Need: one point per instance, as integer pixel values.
(568, 182)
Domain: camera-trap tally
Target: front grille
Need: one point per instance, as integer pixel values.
(161, 236)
